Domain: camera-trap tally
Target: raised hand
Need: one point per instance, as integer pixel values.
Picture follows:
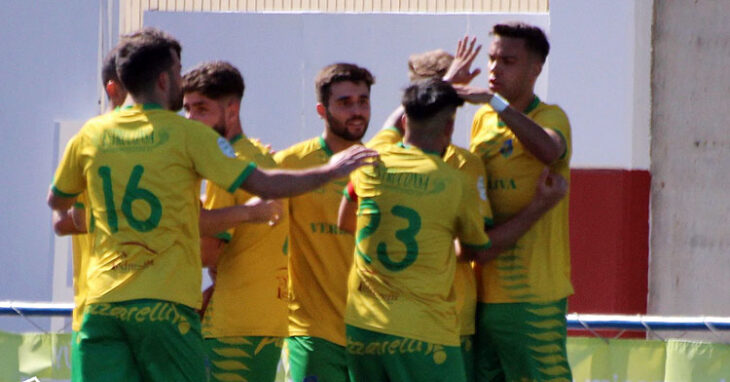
(459, 71)
(344, 162)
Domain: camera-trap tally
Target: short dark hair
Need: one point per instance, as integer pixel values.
(215, 79)
(535, 39)
(142, 56)
(339, 72)
(109, 67)
(422, 100)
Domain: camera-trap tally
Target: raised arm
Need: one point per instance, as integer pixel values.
(275, 184)
(545, 144)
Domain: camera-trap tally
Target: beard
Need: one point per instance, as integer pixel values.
(220, 128)
(175, 99)
(340, 128)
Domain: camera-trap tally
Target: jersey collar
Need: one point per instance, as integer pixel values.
(325, 147)
(235, 138)
(146, 106)
(532, 106)
(407, 147)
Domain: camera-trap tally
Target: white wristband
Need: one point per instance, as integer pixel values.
(498, 103)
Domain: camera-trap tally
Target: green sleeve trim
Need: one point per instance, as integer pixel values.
(393, 128)
(241, 178)
(564, 142)
(487, 245)
(225, 236)
(79, 205)
(346, 194)
(62, 194)
(488, 222)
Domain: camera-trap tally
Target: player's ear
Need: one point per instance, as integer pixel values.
(232, 109)
(321, 110)
(163, 81)
(536, 67)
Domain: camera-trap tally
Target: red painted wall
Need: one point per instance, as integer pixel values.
(609, 238)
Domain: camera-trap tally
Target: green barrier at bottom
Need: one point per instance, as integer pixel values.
(48, 357)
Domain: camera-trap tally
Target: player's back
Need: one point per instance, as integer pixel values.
(142, 169)
(411, 206)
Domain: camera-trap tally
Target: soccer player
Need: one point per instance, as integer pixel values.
(521, 327)
(401, 317)
(551, 188)
(74, 223)
(320, 254)
(247, 319)
(142, 167)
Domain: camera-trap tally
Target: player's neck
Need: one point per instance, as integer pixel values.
(523, 101)
(335, 142)
(144, 99)
(426, 144)
(234, 130)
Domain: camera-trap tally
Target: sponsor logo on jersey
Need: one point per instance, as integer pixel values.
(138, 140)
(506, 149)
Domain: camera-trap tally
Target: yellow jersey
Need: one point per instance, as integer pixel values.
(142, 168)
(81, 245)
(320, 254)
(537, 268)
(465, 284)
(250, 295)
(411, 206)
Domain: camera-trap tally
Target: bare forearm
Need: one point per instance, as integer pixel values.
(276, 184)
(213, 222)
(63, 224)
(505, 235)
(395, 119)
(210, 250)
(546, 146)
(347, 215)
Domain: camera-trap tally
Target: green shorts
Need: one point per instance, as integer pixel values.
(467, 354)
(313, 359)
(522, 342)
(373, 356)
(141, 340)
(75, 357)
(243, 358)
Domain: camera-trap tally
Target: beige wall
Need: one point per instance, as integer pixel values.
(690, 159)
(131, 11)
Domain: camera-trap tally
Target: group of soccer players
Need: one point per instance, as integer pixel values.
(398, 272)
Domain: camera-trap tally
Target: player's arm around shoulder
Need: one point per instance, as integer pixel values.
(275, 184)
